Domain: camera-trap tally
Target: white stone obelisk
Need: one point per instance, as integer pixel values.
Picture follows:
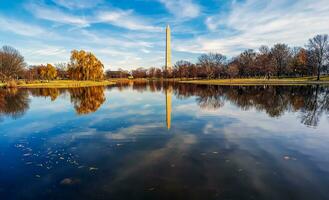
(168, 49)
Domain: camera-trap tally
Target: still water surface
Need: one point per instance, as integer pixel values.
(159, 141)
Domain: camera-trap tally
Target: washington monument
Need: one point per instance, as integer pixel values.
(168, 49)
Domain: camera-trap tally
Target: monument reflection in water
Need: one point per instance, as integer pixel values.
(168, 107)
(162, 140)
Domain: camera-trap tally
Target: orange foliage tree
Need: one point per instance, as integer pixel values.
(85, 66)
(47, 72)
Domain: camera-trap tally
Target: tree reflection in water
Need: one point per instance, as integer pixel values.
(310, 101)
(315, 105)
(13, 102)
(87, 100)
(53, 93)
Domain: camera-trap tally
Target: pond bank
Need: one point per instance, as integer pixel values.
(65, 84)
(283, 81)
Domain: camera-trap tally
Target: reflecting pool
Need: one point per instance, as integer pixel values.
(165, 141)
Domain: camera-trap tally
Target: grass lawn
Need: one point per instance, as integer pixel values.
(259, 81)
(125, 80)
(65, 84)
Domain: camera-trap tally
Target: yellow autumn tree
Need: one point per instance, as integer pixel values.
(47, 72)
(85, 66)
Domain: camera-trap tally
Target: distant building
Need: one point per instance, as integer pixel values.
(117, 74)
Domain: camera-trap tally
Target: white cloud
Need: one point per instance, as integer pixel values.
(56, 15)
(120, 18)
(20, 28)
(145, 50)
(254, 23)
(38, 53)
(125, 19)
(78, 4)
(133, 131)
(113, 40)
(48, 51)
(182, 8)
(244, 24)
(115, 50)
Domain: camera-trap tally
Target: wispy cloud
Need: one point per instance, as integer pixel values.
(78, 4)
(48, 51)
(117, 41)
(56, 15)
(125, 19)
(130, 35)
(182, 8)
(20, 28)
(41, 54)
(121, 18)
(255, 22)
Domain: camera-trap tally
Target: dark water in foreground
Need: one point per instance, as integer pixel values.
(165, 142)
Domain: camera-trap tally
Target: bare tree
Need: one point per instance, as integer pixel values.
(318, 46)
(211, 64)
(264, 62)
(11, 63)
(232, 69)
(151, 72)
(62, 70)
(139, 73)
(281, 55)
(298, 63)
(182, 69)
(246, 62)
(158, 73)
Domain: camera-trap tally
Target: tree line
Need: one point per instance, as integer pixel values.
(277, 61)
(82, 66)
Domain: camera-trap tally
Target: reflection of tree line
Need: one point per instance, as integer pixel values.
(53, 93)
(311, 101)
(142, 86)
(15, 103)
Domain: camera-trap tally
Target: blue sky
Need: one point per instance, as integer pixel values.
(130, 34)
